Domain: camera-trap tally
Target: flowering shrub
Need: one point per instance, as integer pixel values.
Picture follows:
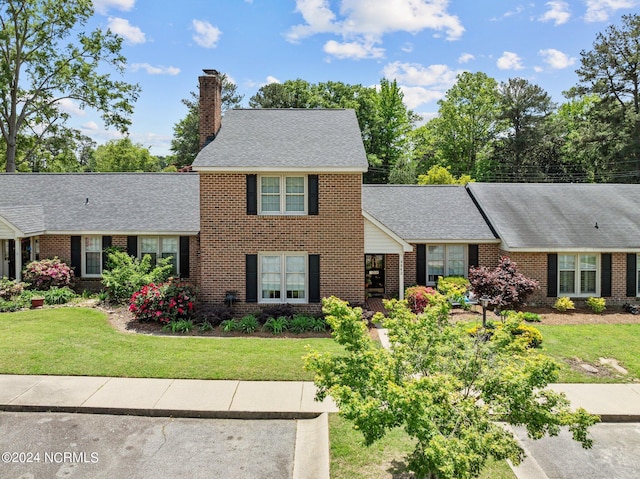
(9, 288)
(164, 303)
(419, 297)
(46, 273)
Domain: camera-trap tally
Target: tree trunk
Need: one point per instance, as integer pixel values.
(11, 157)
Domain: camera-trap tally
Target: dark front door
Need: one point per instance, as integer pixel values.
(12, 259)
(374, 274)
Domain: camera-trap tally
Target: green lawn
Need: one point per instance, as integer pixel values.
(590, 342)
(79, 341)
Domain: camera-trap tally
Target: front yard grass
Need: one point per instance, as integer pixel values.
(588, 343)
(79, 341)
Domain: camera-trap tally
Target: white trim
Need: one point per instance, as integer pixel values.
(445, 259)
(16, 231)
(571, 249)
(282, 194)
(279, 169)
(283, 279)
(406, 247)
(119, 233)
(159, 249)
(83, 269)
(452, 241)
(576, 274)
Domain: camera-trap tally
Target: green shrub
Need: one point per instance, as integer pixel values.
(230, 325)
(10, 288)
(180, 326)
(128, 275)
(531, 317)
(249, 324)
(597, 304)
(564, 304)
(47, 273)
(276, 325)
(319, 325)
(57, 295)
(9, 306)
(301, 324)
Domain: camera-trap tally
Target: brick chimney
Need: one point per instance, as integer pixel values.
(210, 106)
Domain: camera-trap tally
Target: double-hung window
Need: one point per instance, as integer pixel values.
(283, 277)
(578, 274)
(282, 195)
(160, 247)
(445, 260)
(92, 253)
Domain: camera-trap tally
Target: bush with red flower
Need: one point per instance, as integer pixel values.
(419, 297)
(47, 273)
(165, 302)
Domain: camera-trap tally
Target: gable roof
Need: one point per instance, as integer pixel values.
(130, 203)
(557, 217)
(263, 140)
(427, 214)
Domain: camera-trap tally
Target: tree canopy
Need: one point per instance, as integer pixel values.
(43, 66)
(123, 155)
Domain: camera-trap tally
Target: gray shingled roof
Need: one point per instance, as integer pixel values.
(117, 202)
(550, 217)
(431, 213)
(268, 139)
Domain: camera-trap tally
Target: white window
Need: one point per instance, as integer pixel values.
(283, 277)
(578, 275)
(160, 247)
(446, 260)
(92, 256)
(283, 195)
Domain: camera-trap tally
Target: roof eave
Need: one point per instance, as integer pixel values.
(278, 169)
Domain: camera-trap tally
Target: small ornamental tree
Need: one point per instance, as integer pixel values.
(46, 273)
(505, 287)
(447, 389)
(418, 297)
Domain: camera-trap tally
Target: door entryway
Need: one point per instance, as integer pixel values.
(374, 275)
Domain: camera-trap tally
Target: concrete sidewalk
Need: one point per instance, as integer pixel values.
(163, 397)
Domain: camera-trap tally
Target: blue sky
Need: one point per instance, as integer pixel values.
(423, 44)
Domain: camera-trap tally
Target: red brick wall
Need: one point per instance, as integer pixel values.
(391, 275)
(210, 106)
(227, 234)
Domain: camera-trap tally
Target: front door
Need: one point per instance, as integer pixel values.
(374, 274)
(11, 258)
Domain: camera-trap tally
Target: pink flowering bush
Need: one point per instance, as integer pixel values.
(47, 273)
(165, 302)
(419, 297)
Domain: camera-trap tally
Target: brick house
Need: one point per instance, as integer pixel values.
(276, 212)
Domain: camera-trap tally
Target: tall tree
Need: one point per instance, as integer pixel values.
(186, 140)
(611, 70)
(290, 94)
(41, 67)
(123, 155)
(467, 122)
(521, 151)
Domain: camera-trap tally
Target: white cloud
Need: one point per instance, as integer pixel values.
(407, 47)
(353, 50)
(558, 13)
(69, 106)
(154, 70)
(466, 58)
(414, 96)
(509, 61)
(103, 6)
(272, 79)
(206, 35)
(440, 76)
(556, 59)
(362, 23)
(123, 28)
(600, 10)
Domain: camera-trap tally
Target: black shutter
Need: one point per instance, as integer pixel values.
(312, 183)
(474, 256)
(106, 243)
(552, 275)
(132, 246)
(252, 195)
(632, 275)
(421, 264)
(76, 255)
(314, 278)
(251, 278)
(184, 256)
(605, 275)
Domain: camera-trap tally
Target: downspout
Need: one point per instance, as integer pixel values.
(401, 278)
(18, 258)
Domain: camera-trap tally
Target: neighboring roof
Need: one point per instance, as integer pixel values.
(101, 202)
(557, 217)
(421, 214)
(285, 140)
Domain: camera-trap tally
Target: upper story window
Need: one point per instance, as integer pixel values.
(578, 274)
(445, 260)
(160, 247)
(282, 195)
(92, 255)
